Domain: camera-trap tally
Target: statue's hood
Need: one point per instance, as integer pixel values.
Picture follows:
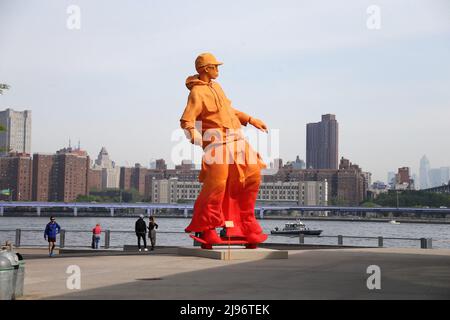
(192, 81)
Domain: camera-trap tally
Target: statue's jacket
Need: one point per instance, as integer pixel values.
(208, 106)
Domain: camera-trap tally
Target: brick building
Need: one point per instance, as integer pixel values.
(60, 177)
(322, 143)
(346, 185)
(95, 179)
(15, 175)
(42, 173)
(133, 178)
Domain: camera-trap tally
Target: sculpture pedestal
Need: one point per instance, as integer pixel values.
(234, 253)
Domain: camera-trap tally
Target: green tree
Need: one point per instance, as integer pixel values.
(3, 87)
(369, 204)
(338, 201)
(413, 199)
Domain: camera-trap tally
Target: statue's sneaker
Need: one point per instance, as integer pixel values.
(254, 238)
(211, 237)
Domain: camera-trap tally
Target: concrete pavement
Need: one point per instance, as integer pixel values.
(307, 274)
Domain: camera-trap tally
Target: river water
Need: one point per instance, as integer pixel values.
(122, 231)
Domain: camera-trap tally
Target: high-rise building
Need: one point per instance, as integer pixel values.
(95, 180)
(15, 176)
(403, 180)
(424, 173)
(322, 143)
(298, 163)
(391, 179)
(42, 176)
(403, 175)
(414, 179)
(445, 175)
(277, 163)
(17, 136)
(110, 173)
(435, 177)
(60, 177)
(439, 176)
(133, 178)
(352, 184)
(160, 164)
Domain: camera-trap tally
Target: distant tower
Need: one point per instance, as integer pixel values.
(391, 178)
(17, 134)
(424, 174)
(322, 143)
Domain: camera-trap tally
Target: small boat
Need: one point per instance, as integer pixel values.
(295, 228)
(394, 222)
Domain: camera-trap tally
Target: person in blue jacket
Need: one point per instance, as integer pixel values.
(51, 230)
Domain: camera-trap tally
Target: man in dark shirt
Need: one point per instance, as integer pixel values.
(141, 230)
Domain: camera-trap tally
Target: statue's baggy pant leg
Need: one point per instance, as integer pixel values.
(208, 206)
(229, 192)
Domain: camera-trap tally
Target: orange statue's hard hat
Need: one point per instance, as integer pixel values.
(206, 59)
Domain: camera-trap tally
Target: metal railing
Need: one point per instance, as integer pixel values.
(425, 243)
(63, 236)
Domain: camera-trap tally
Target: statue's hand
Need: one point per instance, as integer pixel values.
(258, 124)
(197, 138)
(194, 136)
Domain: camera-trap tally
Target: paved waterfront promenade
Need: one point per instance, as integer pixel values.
(307, 274)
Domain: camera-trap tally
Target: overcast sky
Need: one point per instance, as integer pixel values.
(118, 81)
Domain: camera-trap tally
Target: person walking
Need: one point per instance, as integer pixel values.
(141, 229)
(96, 232)
(152, 225)
(51, 230)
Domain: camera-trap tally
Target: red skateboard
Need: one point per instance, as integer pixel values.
(228, 241)
(225, 241)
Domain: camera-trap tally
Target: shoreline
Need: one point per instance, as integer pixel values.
(266, 217)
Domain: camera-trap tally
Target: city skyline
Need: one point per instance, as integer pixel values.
(107, 83)
(438, 174)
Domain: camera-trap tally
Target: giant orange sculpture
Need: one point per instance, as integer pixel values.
(230, 167)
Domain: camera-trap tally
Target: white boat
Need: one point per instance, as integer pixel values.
(295, 228)
(394, 222)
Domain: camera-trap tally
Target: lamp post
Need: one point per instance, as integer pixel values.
(397, 198)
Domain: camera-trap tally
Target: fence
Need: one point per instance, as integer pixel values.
(425, 243)
(79, 238)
